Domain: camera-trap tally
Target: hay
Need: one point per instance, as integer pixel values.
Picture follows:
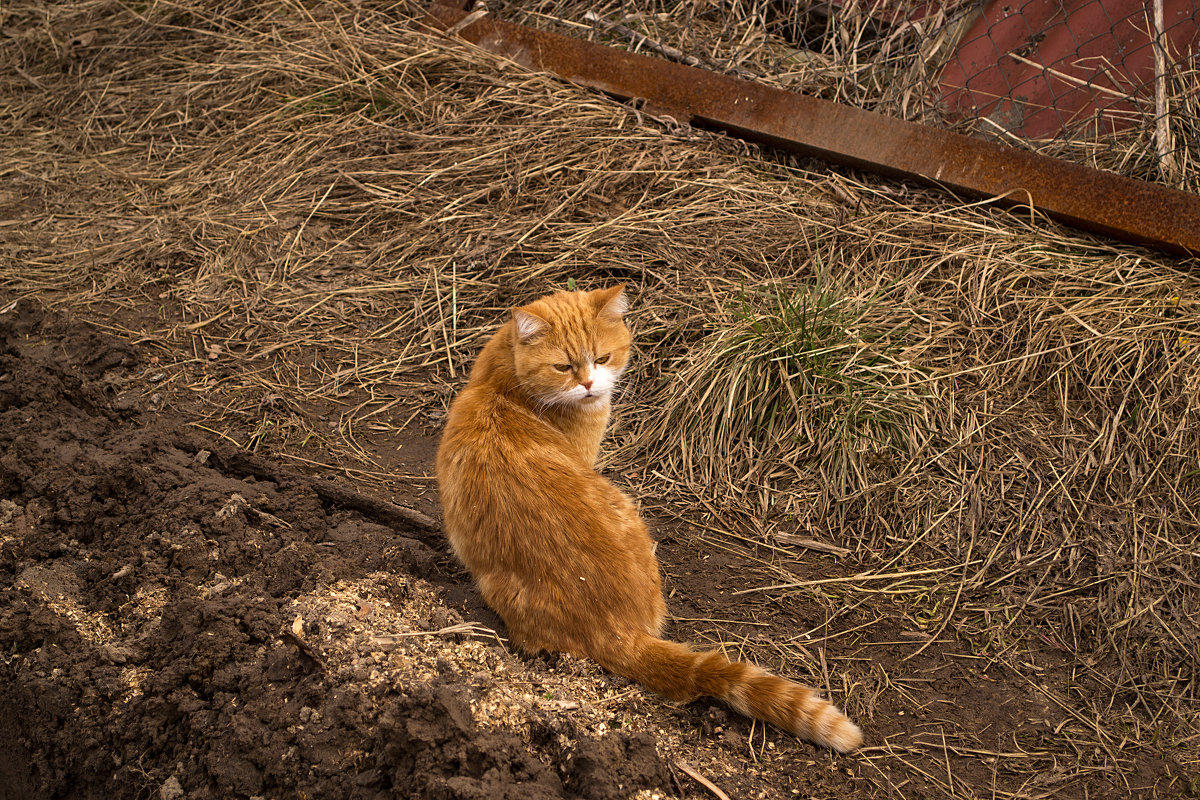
(312, 218)
(794, 373)
(887, 57)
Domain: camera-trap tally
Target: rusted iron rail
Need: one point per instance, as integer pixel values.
(1097, 201)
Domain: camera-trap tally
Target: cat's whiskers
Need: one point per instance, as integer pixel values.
(562, 397)
(551, 398)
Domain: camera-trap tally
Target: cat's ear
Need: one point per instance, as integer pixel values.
(612, 302)
(529, 326)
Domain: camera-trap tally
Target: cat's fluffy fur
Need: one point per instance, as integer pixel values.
(558, 551)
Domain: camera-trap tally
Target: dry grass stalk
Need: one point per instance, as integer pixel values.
(888, 57)
(305, 214)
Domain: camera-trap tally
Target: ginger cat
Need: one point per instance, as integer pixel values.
(558, 551)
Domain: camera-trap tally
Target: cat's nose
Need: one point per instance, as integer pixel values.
(586, 384)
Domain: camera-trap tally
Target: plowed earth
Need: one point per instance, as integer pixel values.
(180, 618)
(167, 618)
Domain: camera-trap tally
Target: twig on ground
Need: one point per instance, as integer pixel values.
(700, 779)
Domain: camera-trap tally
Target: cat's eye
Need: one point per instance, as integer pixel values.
(563, 367)
(604, 358)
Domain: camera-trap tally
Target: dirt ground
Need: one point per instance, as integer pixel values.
(247, 253)
(179, 622)
(186, 619)
(183, 619)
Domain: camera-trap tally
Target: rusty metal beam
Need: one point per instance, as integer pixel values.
(1102, 202)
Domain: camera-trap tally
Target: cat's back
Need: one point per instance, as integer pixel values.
(487, 430)
(498, 458)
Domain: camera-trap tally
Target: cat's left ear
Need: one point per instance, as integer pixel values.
(529, 326)
(612, 302)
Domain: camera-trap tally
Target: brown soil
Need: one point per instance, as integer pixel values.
(187, 619)
(167, 618)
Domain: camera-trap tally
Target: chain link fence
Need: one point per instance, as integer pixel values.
(1114, 84)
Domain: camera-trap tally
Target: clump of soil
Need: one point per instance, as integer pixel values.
(176, 625)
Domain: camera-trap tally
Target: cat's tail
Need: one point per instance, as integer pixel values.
(680, 673)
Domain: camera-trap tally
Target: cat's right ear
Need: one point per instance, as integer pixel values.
(529, 326)
(612, 302)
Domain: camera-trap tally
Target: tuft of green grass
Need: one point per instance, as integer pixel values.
(796, 378)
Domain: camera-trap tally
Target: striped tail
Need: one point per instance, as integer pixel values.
(680, 673)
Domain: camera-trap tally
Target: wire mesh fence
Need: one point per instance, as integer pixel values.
(1114, 84)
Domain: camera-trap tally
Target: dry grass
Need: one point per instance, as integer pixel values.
(794, 373)
(850, 56)
(887, 57)
(312, 217)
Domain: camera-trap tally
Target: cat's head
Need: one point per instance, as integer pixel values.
(571, 347)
